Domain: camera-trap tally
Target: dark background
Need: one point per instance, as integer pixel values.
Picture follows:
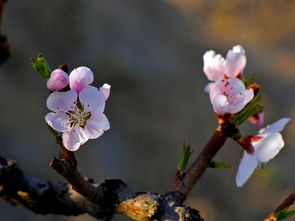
(150, 51)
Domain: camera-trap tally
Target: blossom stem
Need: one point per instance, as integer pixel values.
(285, 204)
(201, 163)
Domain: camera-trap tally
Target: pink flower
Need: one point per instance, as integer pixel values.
(267, 144)
(58, 80)
(257, 119)
(78, 113)
(80, 78)
(229, 96)
(216, 67)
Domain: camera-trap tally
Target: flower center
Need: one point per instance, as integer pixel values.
(78, 117)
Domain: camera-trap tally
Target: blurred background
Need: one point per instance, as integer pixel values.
(150, 51)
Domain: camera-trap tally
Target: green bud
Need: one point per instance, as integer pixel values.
(40, 65)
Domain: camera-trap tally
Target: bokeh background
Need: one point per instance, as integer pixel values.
(150, 51)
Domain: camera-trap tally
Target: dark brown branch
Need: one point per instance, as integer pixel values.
(5, 50)
(285, 204)
(114, 196)
(41, 196)
(202, 162)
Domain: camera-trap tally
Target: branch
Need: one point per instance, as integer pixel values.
(5, 50)
(201, 163)
(284, 205)
(41, 196)
(114, 196)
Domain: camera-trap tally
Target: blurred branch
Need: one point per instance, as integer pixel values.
(284, 205)
(201, 163)
(5, 50)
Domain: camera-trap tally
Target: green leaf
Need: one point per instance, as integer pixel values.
(186, 153)
(219, 165)
(251, 108)
(40, 65)
(284, 214)
(248, 81)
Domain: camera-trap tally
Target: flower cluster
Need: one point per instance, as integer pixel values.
(78, 112)
(229, 95)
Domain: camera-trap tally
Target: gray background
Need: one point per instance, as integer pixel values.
(150, 51)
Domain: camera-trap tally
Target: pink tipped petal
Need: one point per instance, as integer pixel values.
(74, 138)
(80, 78)
(235, 61)
(58, 80)
(92, 100)
(214, 65)
(105, 90)
(268, 147)
(96, 126)
(62, 101)
(247, 166)
(58, 121)
(276, 126)
(257, 119)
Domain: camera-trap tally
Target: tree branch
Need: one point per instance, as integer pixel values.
(5, 50)
(201, 163)
(284, 205)
(114, 196)
(41, 196)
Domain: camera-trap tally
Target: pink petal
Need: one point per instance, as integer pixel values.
(246, 168)
(96, 125)
(235, 61)
(80, 78)
(58, 121)
(92, 99)
(105, 90)
(62, 101)
(208, 87)
(276, 126)
(230, 96)
(74, 138)
(257, 119)
(58, 80)
(214, 65)
(268, 147)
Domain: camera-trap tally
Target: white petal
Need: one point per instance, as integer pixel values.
(214, 65)
(58, 121)
(220, 104)
(235, 61)
(276, 126)
(62, 101)
(92, 99)
(268, 146)
(247, 166)
(105, 90)
(80, 78)
(208, 87)
(96, 126)
(74, 138)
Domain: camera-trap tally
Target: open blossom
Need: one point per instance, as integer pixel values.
(229, 96)
(58, 80)
(78, 113)
(267, 144)
(216, 67)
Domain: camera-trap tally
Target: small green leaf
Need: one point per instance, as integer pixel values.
(250, 109)
(219, 165)
(186, 153)
(248, 81)
(284, 214)
(40, 65)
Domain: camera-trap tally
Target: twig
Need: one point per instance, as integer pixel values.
(202, 162)
(284, 205)
(5, 50)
